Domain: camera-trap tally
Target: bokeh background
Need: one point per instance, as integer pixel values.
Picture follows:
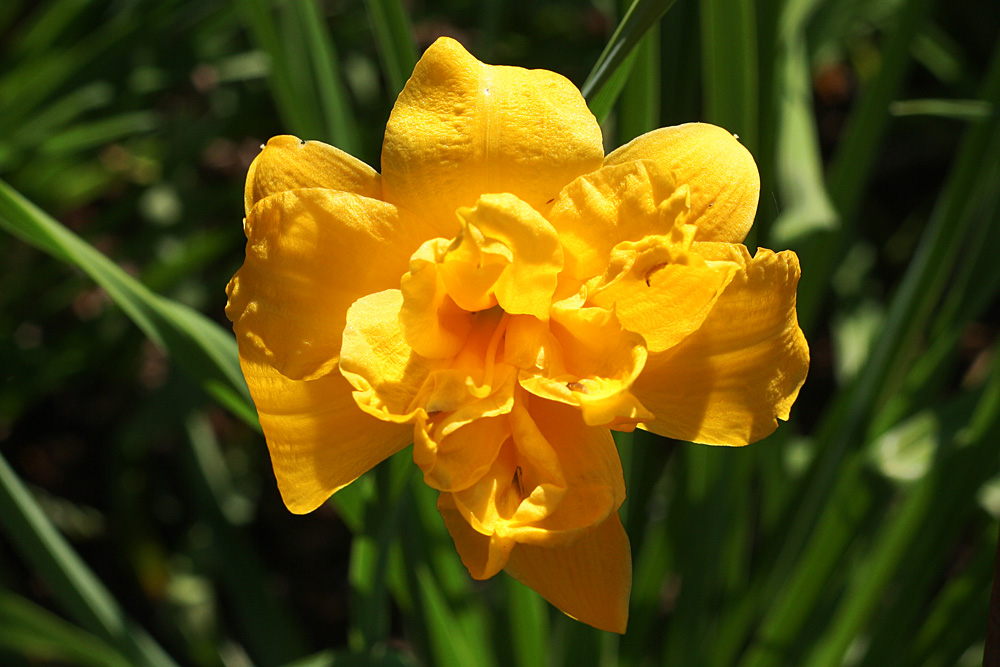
(863, 532)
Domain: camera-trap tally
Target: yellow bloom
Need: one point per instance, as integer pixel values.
(501, 296)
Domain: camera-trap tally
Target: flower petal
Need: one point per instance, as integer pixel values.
(725, 383)
(395, 383)
(720, 172)
(461, 129)
(318, 439)
(482, 555)
(309, 257)
(385, 372)
(432, 323)
(455, 458)
(525, 286)
(658, 293)
(288, 163)
(583, 358)
(616, 203)
(589, 579)
(552, 480)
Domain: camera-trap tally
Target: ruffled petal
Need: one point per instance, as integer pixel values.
(589, 580)
(482, 555)
(659, 293)
(460, 129)
(318, 439)
(375, 358)
(527, 283)
(719, 171)
(395, 383)
(310, 254)
(552, 480)
(727, 382)
(432, 323)
(616, 203)
(454, 450)
(288, 163)
(583, 358)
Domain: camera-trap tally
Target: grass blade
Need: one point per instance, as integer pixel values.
(855, 157)
(639, 106)
(396, 46)
(835, 501)
(729, 74)
(71, 581)
(806, 207)
(338, 119)
(33, 632)
(608, 76)
(199, 345)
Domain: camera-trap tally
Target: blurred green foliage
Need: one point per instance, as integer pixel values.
(862, 532)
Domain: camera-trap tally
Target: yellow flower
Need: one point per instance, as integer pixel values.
(501, 296)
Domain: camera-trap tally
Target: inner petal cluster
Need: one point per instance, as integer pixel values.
(522, 314)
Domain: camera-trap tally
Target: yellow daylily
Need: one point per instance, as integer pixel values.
(501, 296)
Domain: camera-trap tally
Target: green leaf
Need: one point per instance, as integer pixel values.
(304, 76)
(394, 36)
(338, 118)
(33, 632)
(198, 344)
(76, 587)
(854, 160)
(967, 110)
(639, 106)
(529, 624)
(806, 205)
(729, 73)
(611, 71)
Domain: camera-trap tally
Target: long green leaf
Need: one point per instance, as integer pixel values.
(832, 492)
(729, 74)
(639, 106)
(199, 345)
(806, 206)
(33, 632)
(608, 76)
(76, 587)
(338, 118)
(855, 158)
(394, 36)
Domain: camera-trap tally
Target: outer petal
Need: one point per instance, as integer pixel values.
(461, 129)
(617, 203)
(589, 580)
(318, 438)
(721, 173)
(309, 257)
(726, 382)
(288, 163)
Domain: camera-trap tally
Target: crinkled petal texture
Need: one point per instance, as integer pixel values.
(721, 173)
(309, 253)
(461, 129)
(547, 513)
(502, 296)
(309, 257)
(728, 381)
